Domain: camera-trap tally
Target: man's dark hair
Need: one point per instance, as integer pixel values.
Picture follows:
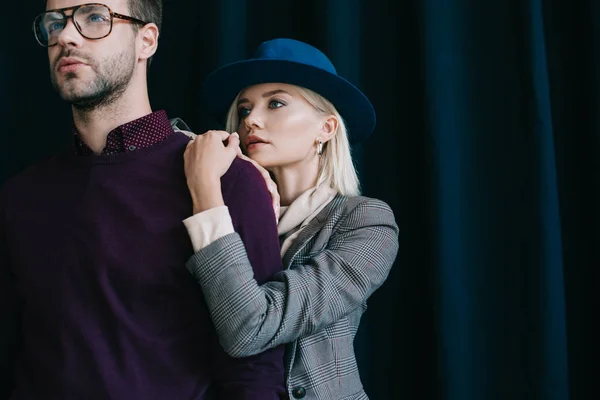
(147, 11)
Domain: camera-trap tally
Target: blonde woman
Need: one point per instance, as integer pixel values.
(293, 116)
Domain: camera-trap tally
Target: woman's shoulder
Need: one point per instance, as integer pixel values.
(356, 211)
(351, 204)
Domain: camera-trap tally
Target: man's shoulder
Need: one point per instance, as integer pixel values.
(242, 172)
(243, 185)
(39, 167)
(38, 172)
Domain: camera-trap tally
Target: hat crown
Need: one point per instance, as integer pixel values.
(294, 51)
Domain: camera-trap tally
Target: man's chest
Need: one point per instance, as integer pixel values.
(130, 236)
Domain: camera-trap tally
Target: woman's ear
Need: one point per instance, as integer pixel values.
(329, 128)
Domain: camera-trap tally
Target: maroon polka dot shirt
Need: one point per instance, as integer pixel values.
(137, 134)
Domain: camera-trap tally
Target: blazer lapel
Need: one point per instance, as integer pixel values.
(309, 231)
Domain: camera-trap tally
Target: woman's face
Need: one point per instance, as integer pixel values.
(278, 127)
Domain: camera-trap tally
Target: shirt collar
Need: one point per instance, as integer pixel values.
(137, 134)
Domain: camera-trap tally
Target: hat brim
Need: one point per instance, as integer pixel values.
(222, 86)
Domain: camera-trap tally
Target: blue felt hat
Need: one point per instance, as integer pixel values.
(297, 63)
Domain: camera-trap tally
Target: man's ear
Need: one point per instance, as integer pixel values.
(148, 41)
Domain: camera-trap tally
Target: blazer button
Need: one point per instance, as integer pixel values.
(299, 392)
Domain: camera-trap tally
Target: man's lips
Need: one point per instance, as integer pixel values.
(69, 64)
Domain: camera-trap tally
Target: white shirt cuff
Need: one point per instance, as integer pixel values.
(208, 226)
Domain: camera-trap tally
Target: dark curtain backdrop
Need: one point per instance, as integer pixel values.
(487, 149)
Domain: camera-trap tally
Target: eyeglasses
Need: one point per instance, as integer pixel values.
(93, 21)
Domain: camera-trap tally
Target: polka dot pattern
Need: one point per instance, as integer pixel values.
(138, 134)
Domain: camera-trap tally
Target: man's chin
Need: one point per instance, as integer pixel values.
(71, 80)
(72, 96)
(86, 101)
(74, 92)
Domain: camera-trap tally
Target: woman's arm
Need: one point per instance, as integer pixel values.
(260, 376)
(223, 185)
(251, 318)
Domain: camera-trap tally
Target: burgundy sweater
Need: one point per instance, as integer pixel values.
(93, 281)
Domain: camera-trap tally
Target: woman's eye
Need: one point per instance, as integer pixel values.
(243, 112)
(275, 104)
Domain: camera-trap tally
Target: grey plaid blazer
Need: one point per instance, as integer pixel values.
(314, 306)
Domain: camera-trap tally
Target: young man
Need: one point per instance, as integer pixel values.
(94, 294)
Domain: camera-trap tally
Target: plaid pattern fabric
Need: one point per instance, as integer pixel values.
(338, 260)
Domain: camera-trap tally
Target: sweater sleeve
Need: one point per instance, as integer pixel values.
(260, 376)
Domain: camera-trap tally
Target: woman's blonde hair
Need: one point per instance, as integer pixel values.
(337, 168)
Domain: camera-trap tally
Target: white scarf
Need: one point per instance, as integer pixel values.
(302, 211)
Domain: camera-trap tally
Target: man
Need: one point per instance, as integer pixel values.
(94, 294)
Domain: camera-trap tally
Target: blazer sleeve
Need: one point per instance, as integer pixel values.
(261, 375)
(9, 314)
(251, 317)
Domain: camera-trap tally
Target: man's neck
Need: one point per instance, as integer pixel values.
(94, 125)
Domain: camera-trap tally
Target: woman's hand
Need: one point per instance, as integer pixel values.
(271, 185)
(206, 159)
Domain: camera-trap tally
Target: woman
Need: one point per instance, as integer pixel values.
(293, 114)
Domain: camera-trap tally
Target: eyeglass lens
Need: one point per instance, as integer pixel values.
(92, 22)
